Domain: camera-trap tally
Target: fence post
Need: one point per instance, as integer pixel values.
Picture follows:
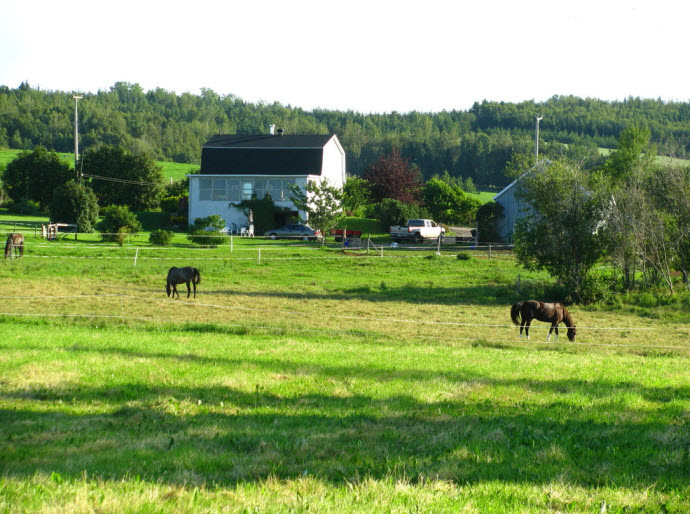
(438, 250)
(230, 243)
(136, 255)
(489, 251)
(259, 255)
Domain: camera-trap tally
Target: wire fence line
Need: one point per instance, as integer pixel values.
(341, 332)
(195, 304)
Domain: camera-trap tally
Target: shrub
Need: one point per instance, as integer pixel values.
(464, 256)
(24, 206)
(170, 203)
(392, 212)
(161, 237)
(121, 235)
(206, 231)
(115, 217)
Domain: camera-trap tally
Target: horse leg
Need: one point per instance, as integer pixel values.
(189, 290)
(527, 325)
(553, 326)
(175, 291)
(194, 286)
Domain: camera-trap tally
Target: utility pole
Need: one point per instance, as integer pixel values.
(76, 135)
(536, 140)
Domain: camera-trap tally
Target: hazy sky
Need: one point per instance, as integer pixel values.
(367, 56)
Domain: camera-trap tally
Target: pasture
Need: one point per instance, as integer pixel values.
(309, 379)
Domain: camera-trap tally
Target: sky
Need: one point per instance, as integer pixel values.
(365, 56)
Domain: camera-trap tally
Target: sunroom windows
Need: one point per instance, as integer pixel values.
(238, 189)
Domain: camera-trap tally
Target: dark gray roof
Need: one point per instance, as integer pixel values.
(263, 155)
(268, 141)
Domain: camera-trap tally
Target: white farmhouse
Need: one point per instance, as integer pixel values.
(234, 167)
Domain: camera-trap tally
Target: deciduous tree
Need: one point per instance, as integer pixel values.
(321, 202)
(391, 176)
(560, 232)
(34, 175)
(121, 178)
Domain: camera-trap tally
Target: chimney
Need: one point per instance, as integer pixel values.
(272, 129)
(280, 132)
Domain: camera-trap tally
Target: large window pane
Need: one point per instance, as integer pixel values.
(247, 189)
(234, 190)
(205, 183)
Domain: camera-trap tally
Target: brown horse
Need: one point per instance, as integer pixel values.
(180, 276)
(522, 313)
(15, 242)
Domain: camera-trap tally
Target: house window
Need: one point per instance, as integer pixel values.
(247, 189)
(234, 190)
(219, 189)
(286, 188)
(260, 187)
(275, 188)
(205, 188)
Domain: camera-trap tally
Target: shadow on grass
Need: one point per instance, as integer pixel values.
(498, 294)
(221, 435)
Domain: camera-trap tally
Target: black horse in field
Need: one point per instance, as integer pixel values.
(15, 241)
(182, 275)
(522, 313)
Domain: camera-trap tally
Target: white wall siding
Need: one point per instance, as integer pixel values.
(201, 208)
(334, 163)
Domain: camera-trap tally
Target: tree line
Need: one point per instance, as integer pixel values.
(476, 144)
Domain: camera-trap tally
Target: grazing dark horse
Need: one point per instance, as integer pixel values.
(14, 241)
(182, 275)
(522, 313)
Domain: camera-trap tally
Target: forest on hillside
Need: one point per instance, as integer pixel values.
(477, 143)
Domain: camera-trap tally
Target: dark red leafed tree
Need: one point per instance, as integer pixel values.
(393, 177)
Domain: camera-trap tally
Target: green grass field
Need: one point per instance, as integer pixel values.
(308, 379)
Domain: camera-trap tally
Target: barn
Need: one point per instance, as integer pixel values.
(513, 207)
(235, 167)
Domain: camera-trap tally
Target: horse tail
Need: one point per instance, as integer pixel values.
(515, 313)
(8, 246)
(197, 276)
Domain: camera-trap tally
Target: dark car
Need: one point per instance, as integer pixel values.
(294, 231)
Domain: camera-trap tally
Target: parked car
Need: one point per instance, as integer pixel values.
(294, 231)
(417, 231)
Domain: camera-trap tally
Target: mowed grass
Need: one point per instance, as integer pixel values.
(316, 380)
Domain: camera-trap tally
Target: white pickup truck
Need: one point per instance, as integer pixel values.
(416, 231)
